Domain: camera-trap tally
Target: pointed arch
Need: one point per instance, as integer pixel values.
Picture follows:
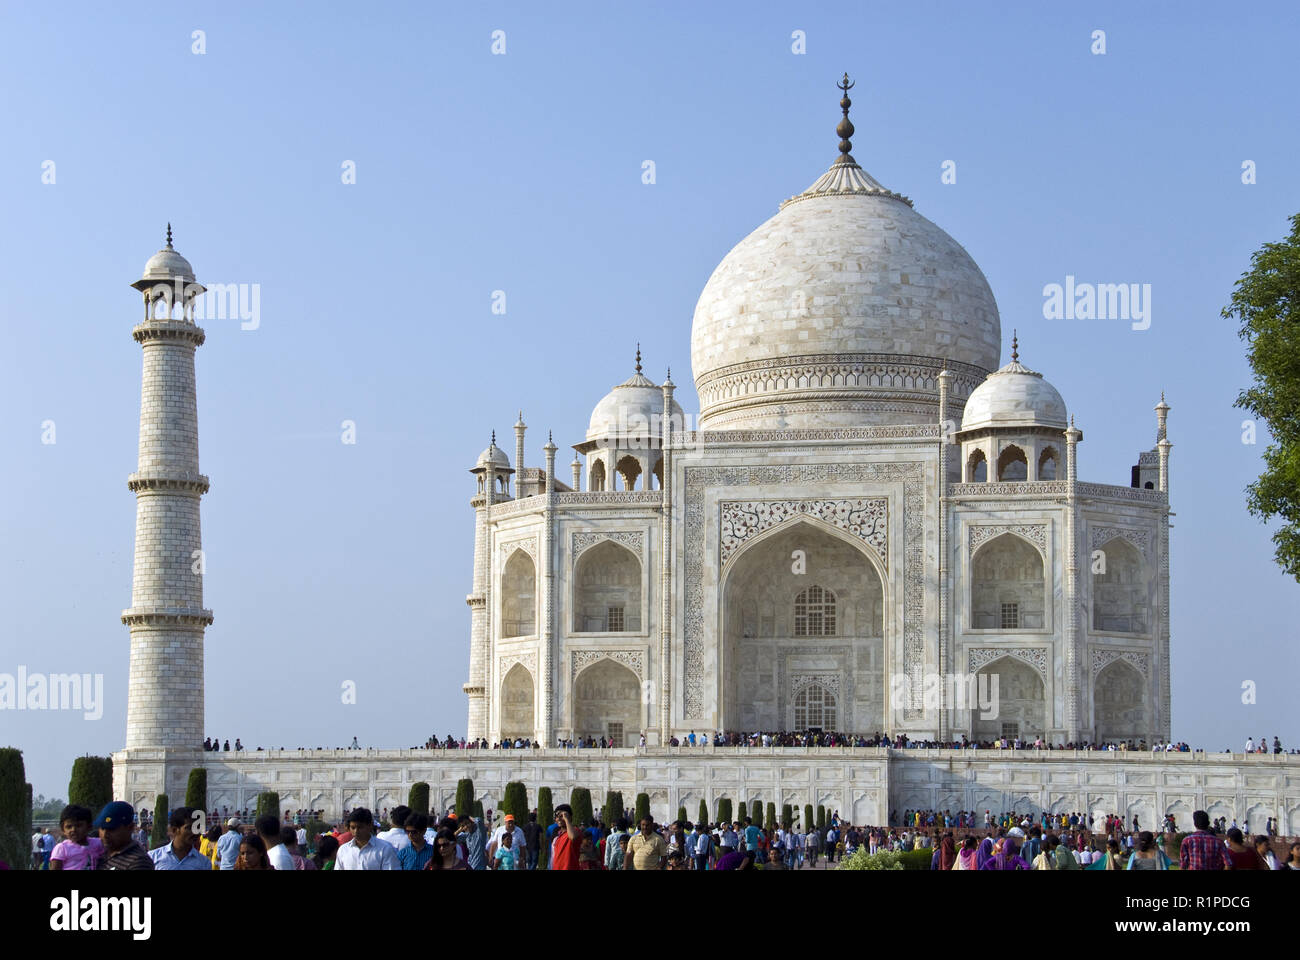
(977, 467)
(1048, 464)
(1119, 702)
(518, 596)
(1120, 589)
(1012, 463)
(607, 590)
(1007, 585)
(517, 703)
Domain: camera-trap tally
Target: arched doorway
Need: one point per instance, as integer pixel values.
(518, 596)
(607, 703)
(517, 703)
(607, 590)
(1007, 585)
(803, 613)
(1120, 597)
(1118, 703)
(1020, 701)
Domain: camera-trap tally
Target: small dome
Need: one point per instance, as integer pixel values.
(1014, 396)
(494, 456)
(167, 264)
(634, 408)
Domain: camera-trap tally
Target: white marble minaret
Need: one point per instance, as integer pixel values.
(166, 616)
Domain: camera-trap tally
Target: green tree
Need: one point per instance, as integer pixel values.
(15, 810)
(724, 810)
(465, 797)
(161, 811)
(478, 809)
(418, 797)
(268, 804)
(704, 812)
(47, 808)
(580, 800)
(1266, 307)
(770, 822)
(91, 785)
(743, 814)
(642, 807)
(787, 816)
(807, 817)
(756, 811)
(196, 789)
(515, 801)
(681, 814)
(613, 809)
(545, 817)
(821, 817)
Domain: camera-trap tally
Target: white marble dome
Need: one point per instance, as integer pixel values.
(841, 310)
(1014, 396)
(493, 456)
(633, 408)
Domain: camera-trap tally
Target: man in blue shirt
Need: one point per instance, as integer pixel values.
(751, 834)
(228, 845)
(180, 854)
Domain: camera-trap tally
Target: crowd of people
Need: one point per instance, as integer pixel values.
(404, 839)
(807, 738)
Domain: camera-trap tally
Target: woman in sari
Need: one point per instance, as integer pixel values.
(967, 859)
(984, 853)
(1008, 858)
(947, 852)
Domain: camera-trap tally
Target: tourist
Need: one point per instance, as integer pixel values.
(471, 832)
(1046, 859)
(505, 856)
(267, 826)
(396, 835)
(566, 849)
(445, 855)
(252, 854)
(417, 853)
(1148, 855)
(1265, 850)
(1293, 857)
(967, 856)
(289, 842)
(208, 844)
(1201, 850)
(228, 845)
(519, 838)
(1241, 856)
(365, 851)
(78, 850)
(121, 852)
(327, 848)
(647, 850)
(1007, 858)
(945, 857)
(180, 853)
(532, 840)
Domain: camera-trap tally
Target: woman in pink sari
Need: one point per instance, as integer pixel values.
(967, 857)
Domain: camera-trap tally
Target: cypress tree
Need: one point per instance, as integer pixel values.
(642, 807)
(743, 812)
(821, 817)
(478, 809)
(465, 798)
(418, 798)
(681, 814)
(196, 789)
(756, 812)
(516, 802)
(724, 810)
(807, 817)
(704, 812)
(787, 816)
(268, 804)
(91, 785)
(15, 810)
(771, 815)
(545, 817)
(161, 811)
(613, 811)
(580, 800)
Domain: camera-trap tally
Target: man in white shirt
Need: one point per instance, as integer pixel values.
(397, 835)
(519, 841)
(277, 854)
(1250, 744)
(365, 851)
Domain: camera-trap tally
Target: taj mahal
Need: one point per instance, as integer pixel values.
(869, 499)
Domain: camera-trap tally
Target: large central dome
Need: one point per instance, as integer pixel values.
(841, 310)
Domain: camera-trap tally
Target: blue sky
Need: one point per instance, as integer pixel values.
(522, 173)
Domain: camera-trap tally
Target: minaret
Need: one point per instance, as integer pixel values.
(520, 427)
(491, 463)
(166, 616)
